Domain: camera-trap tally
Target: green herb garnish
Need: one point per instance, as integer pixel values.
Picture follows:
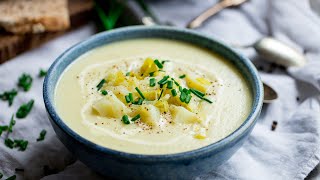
(125, 119)
(151, 74)
(3, 128)
(9, 96)
(163, 80)
(169, 84)
(136, 117)
(104, 92)
(164, 61)
(138, 102)
(24, 109)
(99, 86)
(160, 94)
(21, 144)
(131, 97)
(1, 175)
(182, 76)
(180, 89)
(173, 92)
(127, 99)
(42, 135)
(152, 82)
(13, 177)
(9, 143)
(175, 82)
(205, 99)
(25, 82)
(197, 93)
(188, 98)
(183, 96)
(157, 62)
(140, 93)
(42, 73)
(128, 74)
(11, 124)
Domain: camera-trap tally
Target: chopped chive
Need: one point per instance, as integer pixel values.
(9, 96)
(11, 124)
(175, 82)
(185, 90)
(140, 101)
(136, 117)
(131, 97)
(21, 144)
(170, 84)
(3, 128)
(99, 86)
(125, 119)
(152, 73)
(196, 91)
(42, 135)
(152, 82)
(160, 94)
(25, 82)
(183, 96)
(164, 61)
(104, 92)
(24, 109)
(13, 177)
(173, 92)
(140, 93)
(128, 74)
(207, 100)
(188, 98)
(42, 73)
(127, 98)
(9, 143)
(158, 63)
(180, 88)
(163, 80)
(182, 76)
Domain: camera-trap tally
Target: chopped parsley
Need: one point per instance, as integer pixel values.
(1, 175)
(9, 96)
(42, 73)
(157, 62)
(99, 86)
(42, 135)
(24, 109)
(25, 82)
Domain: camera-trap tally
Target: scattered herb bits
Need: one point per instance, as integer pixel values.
(11, 124)
(169, 84)
(160, 94)
(24, 109)
(182, 76)
(127, 98)
(140, 93)
(9, 143)
(125, 119)
(163, 80)
(131, 97)
(173, 92)
(9, 96)
(208, 100)
(194, 91)
(152, 82)
(101, 83)
(136, 117)
(42, 73)
(1, 175)
(128, 74)
(20, 144)
(164, 61)
(13, 177)
(104, 92)
(151, 74)
(188, 98)
(183, 96)
(25, 82)
(3, 128)
(157, 62)
(42, 135)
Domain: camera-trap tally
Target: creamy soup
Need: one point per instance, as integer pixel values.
(152, 96)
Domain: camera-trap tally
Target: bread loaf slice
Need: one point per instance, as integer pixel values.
(34, 16)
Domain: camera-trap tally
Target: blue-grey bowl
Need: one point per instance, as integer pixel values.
(122, 165)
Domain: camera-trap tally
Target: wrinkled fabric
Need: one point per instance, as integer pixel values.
(290, 152)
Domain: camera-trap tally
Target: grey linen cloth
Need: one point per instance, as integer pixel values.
(290, 152)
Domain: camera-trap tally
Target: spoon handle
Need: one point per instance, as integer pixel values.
(197, 21)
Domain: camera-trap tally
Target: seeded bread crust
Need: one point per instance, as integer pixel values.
(34, 16)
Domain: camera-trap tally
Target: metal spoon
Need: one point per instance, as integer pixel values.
(198, 21)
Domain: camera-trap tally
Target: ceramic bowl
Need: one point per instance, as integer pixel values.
(122, 165)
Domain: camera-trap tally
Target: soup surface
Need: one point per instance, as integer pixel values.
(152, 96)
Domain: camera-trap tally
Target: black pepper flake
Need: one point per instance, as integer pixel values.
(274, 125)
(298, 98)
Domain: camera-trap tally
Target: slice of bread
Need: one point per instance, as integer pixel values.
(34, 16)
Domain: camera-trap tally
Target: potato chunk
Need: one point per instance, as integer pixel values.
(148, 67)
(109, 106)
(200, 84)
(183, 116)
(149, 114)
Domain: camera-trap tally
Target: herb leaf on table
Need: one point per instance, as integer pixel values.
(42, 135)
(24, 109)
(25, 82)
(9, 96)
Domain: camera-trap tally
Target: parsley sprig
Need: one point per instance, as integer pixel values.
(25, 82)
(9, 96)
(24, 109)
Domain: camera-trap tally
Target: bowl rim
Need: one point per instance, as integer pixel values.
(196, 153)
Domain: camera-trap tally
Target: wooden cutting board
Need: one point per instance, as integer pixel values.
(12, 45)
